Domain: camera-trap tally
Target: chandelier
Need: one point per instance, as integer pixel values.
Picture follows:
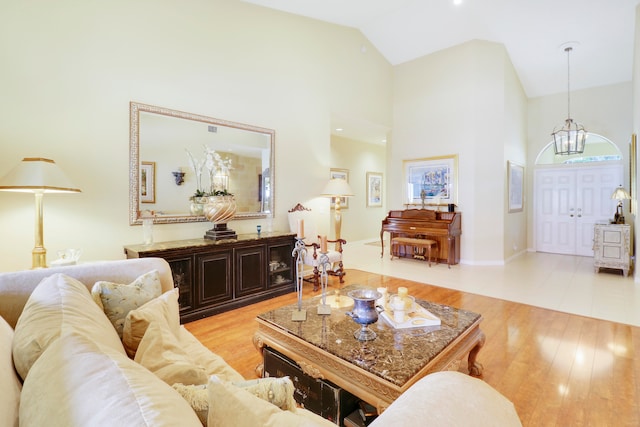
(571, 137)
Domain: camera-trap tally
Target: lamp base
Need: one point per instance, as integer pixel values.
(618, 217)
(39, 258)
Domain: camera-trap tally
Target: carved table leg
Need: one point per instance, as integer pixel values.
(259, 345)
(475, 367)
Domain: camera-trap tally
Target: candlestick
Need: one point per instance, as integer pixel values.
(299, 252)
(323, 244)
(300, 229)
(323, 262)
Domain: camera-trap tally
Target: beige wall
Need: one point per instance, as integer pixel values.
(465, 100)
(71, 68)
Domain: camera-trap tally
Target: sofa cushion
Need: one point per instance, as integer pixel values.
(78, 383)
(160, 352)
(59, 304)
(233, 406)
(10, 384)
(163, 309)
(117, 299)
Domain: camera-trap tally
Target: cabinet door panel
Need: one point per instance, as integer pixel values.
(250, 270)
(215, 278)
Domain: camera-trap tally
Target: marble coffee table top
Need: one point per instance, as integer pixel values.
(395, 355)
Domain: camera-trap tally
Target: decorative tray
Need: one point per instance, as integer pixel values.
(418, 317)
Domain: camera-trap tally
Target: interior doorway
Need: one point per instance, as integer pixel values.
(572, 193)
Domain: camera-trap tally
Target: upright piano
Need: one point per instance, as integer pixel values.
(443, 227)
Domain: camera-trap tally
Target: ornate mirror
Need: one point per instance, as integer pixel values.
(164, 144)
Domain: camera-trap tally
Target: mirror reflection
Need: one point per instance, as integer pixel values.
(165, 145)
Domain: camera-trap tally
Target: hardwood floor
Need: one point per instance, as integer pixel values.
(558, 369)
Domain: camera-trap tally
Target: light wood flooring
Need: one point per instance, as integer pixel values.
(558, 369)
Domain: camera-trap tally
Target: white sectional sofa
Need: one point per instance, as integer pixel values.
(63, 363)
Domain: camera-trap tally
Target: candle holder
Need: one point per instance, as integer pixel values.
(299, 252)
(323, 262)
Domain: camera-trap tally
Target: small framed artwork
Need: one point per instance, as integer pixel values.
(342, 174)
(516, 186)
(147, 182)
(374, 189)
(431, 181)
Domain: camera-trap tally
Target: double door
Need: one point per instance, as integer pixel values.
(569, 200)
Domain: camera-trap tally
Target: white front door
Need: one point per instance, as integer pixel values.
(569, 201)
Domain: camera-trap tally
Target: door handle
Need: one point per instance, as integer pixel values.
(571, 214)
(579, 212)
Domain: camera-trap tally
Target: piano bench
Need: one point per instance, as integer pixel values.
(427, 244)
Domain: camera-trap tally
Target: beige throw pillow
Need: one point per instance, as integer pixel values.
(160, 352)
(77, 383)
(57, 305)
(163, 309)
(117, 300)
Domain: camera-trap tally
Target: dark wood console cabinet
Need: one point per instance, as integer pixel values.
(216, 276)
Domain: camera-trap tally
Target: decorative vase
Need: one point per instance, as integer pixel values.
(364, 312)
(219, 210)
(197, 205)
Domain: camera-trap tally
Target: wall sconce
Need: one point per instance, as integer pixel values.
(178, 176)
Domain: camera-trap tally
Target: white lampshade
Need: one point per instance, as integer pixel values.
(35, 174)
(620, 194)
(337, 187)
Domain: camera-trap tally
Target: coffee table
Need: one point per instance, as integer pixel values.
(376, 371)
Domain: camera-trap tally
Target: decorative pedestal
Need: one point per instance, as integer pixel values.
(220, 232)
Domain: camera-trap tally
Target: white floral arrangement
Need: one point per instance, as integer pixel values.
(218, 171)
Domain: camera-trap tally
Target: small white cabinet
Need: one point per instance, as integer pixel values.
(612, 247)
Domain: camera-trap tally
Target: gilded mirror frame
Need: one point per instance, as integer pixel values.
(134, 164)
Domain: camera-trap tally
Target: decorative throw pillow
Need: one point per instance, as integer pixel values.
(231, 406)
(164, 309)
(117, 299)
(159, 351)
(57, 305)
(278, 391)
(198, 397)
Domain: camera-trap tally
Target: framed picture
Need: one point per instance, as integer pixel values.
(516, 186)
(431, 181)
(147, 182)
(374, 189)
(343, 174)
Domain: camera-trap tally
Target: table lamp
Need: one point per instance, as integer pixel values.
(337, 188)
(37, 175)
(620, 194)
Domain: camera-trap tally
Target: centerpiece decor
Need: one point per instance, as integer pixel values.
(216, 203)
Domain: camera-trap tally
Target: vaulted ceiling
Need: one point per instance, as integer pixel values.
(534, 33)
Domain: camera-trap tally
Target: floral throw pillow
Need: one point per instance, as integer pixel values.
(117, 300)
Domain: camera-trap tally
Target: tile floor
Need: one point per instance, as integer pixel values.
(559, 282)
